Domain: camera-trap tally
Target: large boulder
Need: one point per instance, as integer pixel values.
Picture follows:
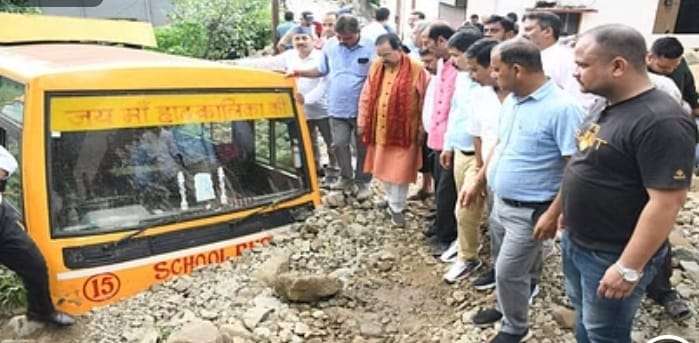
(297, 287)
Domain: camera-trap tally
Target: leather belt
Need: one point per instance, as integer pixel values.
(527, 204)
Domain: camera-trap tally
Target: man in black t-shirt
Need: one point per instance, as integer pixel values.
(623, 187)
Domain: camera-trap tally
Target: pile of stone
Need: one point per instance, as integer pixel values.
(347, 275)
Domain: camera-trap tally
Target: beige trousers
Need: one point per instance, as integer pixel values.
(468, 219)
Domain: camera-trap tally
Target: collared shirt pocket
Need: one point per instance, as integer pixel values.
(362, 64)
(526, 138)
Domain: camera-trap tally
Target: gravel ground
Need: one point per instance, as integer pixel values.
(392, 291)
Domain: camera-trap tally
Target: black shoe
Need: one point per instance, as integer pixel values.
(437, 248)
(486, 317)
(397, 218)
(429, 231)
(57, 318)
(485, 280)
(504, 337)
(677, 309)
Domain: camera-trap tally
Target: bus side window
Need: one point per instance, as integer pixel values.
(11, 117)
(13, 189)
(263, 147)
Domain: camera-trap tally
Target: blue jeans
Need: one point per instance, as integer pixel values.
(601, 320)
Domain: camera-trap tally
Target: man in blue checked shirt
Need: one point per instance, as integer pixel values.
(346, 62)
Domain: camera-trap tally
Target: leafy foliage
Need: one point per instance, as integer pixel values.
(16, 6)
(183, 38)
(211, 29)
(12, 292)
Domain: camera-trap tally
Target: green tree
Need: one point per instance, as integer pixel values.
(16, 6)
(211, 29)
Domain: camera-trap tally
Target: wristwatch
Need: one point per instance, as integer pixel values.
(628, 274)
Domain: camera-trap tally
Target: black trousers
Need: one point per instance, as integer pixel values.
(445, 198)
(660, 289)
(19, 253)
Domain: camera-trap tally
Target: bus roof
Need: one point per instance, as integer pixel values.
(42, 28)
(29, 61)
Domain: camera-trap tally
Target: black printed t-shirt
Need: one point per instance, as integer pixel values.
(643, 142)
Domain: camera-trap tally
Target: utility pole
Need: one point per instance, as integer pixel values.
(275, 19)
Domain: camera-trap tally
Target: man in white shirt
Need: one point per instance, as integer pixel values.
(378, 26)
(410, 41)
(483, 126)
(544, 29)
(311, 93)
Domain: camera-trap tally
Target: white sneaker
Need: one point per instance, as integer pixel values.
(461, 270)
(451, 253)
(533, 293)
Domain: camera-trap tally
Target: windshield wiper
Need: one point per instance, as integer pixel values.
(130, 236)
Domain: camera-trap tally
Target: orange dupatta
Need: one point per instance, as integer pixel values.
(398, 125)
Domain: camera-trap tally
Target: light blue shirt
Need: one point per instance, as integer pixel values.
(535, 133)
(456, 136)
(347, 69)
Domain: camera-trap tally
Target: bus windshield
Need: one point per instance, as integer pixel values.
(132, 161)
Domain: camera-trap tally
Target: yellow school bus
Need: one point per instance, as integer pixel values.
(137, 166)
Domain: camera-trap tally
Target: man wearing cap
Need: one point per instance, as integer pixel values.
(306, 22)
(19, 253)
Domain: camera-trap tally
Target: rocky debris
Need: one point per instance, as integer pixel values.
(277, 264)
(565, 317)
(305, 287)
(334, 200)
(677, 239)
(254, 316)
(691, 268)
(21, 327)
(201, 331)
(386, 288)
(141, 335)
(371, 329)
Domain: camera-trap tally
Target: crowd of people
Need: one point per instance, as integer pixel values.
(587, 144)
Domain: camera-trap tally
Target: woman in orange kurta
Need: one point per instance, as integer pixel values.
(389, 118)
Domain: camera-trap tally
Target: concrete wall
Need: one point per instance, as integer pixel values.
(642, 18)
(153, 11)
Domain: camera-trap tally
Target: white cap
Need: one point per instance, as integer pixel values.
(8, 162)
